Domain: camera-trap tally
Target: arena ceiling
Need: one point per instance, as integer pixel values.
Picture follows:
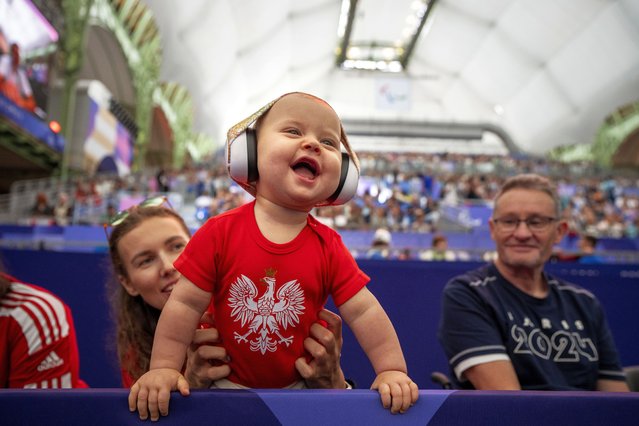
(547, 72)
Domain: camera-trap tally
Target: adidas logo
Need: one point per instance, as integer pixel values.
(51, 361)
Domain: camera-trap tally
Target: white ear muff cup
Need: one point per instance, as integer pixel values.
(242, 161)
(348, 181)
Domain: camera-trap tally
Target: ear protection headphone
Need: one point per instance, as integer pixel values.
(242, 166)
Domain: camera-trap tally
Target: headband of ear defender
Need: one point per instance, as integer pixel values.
(242, 167)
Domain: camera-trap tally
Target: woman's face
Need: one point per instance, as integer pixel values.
(147, 253)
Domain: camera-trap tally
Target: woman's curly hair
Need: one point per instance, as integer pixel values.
(134, 319)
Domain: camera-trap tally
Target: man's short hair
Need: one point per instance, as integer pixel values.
(532, 182)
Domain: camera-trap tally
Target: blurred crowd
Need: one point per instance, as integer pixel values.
(398, 192)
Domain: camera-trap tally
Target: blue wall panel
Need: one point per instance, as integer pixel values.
(409, 291)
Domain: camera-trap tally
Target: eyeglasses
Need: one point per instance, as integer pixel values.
(120, 216)
(534, 224)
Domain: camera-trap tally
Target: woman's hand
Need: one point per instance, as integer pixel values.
(206, 362)
(325, 346)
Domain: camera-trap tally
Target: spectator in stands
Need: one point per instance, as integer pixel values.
(439, 250)
(81, 192)
(162, 179)
(42, 212)
(381, 245)
(41, 206)
(144, 242)
(203, 204)
(14, 83)
(509, 325)
(110, 212)
(632, 228)
(299, 140)
(38, 347)
(611, 225)
(587, 253)
(419, 223)
(62, 209)
(378, 217)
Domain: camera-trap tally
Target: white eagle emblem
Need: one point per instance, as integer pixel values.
(267, 314)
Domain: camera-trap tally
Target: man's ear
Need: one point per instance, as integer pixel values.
(124, 281)
(491, 227)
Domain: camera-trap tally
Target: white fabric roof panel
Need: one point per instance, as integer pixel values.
(546, 71)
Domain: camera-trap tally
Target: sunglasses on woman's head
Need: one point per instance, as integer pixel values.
(120, 216)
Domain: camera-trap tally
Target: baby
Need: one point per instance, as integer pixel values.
(269, 266)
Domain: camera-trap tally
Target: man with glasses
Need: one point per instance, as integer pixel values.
(509, 325)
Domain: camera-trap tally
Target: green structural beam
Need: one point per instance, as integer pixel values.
(134, 27)
(615, 130)
(72, 45)
(617, 127)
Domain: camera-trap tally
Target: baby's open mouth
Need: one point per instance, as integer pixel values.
(305, 168)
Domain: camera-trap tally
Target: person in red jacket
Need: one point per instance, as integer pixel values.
(14, 83)
(37, 338)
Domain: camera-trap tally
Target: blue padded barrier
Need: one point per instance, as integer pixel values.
(323, 407)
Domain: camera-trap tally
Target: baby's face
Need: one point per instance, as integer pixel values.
(299, 157)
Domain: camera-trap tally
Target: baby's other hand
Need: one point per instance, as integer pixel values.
(397, 391)
(151, 393)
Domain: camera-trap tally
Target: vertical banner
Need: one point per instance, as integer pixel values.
(108, 146)
(393, 94)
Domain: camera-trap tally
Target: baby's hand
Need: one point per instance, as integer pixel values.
(397, 390)
(151, 393)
